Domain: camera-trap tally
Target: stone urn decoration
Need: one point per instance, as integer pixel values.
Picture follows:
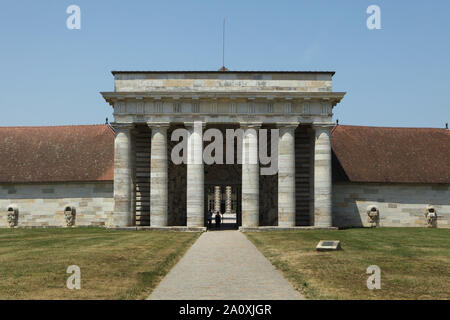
(431, 216)
(13, 215)
(69, 214)
(374, 214)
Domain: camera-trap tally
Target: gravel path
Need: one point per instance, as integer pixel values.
(224, 265)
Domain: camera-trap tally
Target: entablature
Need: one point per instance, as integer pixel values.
(244, 104)
(333, 97)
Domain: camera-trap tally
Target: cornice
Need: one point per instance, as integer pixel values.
(334, 97)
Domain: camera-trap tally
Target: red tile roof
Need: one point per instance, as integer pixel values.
(360, 154)
(400, 155)
(60, 153)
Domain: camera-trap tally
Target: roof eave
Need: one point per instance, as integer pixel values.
(114, 72)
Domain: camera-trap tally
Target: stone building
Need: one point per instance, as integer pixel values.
(398, 170)
(148, 106)
(123, 175)
(43, 170)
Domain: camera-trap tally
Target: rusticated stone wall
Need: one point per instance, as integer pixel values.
(43, 205)
(400, 205)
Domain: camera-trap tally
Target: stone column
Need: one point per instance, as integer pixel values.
(322, 176)
(250, 176)
(123, 215)
(228, 199)
(158, 175)
(286, 175)
(195, 176)
(217, 199)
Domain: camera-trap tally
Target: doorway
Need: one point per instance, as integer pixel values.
(225, 200)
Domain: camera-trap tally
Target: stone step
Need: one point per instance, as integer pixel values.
(145, 163)
(143, 216)
(143, 197)
(142, 174)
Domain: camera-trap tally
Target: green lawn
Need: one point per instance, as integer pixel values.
(414, 262)
(114, 264)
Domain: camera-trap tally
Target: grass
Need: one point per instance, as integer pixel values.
(114, 264)
(414, 262)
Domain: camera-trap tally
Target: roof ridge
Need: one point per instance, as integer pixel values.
(218, 71)
(57, 126)
(387, 127)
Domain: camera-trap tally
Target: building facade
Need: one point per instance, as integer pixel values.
(149, 106)
(44, 170)
(147, 169)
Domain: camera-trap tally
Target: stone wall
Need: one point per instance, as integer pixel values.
(225, 82)
(400, 205)
(43, 204)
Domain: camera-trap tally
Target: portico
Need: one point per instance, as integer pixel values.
(150, 106)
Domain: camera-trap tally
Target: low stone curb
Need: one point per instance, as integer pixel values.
(259, 229)
(176, 228)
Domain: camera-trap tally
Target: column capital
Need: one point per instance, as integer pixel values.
(161, 125)
(292, 125)
(192, 124)
(323, 125)
(122, 125)
(249, 125)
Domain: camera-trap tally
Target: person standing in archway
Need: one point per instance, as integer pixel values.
(218, 220)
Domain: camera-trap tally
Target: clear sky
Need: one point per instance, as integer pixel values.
(396, 76)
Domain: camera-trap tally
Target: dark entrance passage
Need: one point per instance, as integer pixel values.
(223, 188)
(226, 201)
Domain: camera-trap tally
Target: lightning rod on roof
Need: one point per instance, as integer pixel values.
(223, 48)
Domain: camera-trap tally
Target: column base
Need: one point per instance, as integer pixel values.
(121, 219)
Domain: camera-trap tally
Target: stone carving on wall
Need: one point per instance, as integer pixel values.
(13, 215)
(69, 214)
(431, 216)
(374, 214)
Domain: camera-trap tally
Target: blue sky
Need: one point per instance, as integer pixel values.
(396, 76)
